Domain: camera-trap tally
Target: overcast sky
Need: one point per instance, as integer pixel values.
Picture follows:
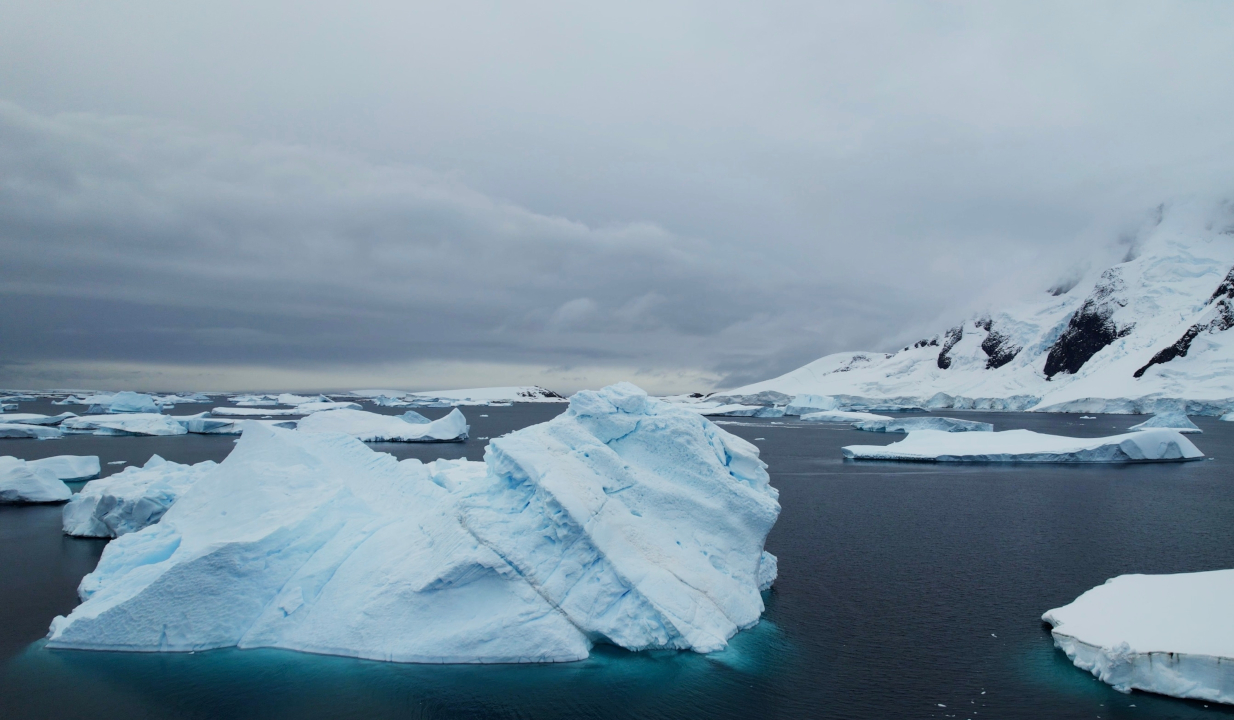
(295, 195)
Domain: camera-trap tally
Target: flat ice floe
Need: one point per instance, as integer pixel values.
(1172, 420)
(1168, 634)
(35, 419)
(843, 416)
(21, 482)
(131, 499)
(374, 427)
(19, 430)
(124, 424)
(69, 468)
(204, 424)
(906, 425)
(624, 520)
(307, 408)
(1029, 446)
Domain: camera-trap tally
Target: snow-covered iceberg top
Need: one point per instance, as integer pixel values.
(1168, 634)
(1172, 420)
(131, 499)
(21, 482)
(374, 427)
(907, 425)
(843, 416)
(69, 468)
(124, 424)
(1029, 446)
(624, 520)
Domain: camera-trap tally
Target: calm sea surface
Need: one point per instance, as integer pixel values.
(903, 588)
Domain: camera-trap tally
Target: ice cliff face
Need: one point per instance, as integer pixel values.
(1135, 337)
(625, 520)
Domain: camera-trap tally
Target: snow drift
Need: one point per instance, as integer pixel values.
(1168, 634)
(624, 520)
(1029, 446)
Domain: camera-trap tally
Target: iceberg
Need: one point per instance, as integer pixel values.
(1172, 420)
(414, 418)
(906, 425)
(1167, 634)
(1028, 446)
(843, 416)
(289, 399)
(131, 499)
(734, 410)
(130, 424)
(307, 408)
(203, 424)
(69, 468)
(35, 419)
(624, 520)
(374, 427)
(476, 396)
(21, 482)
(131, 402)
(18, 430)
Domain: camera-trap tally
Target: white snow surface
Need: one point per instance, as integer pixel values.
(912, 424)
(843, 416)
(374, 427)
(1149, 302)
(21, 482)
(131, 499)
(124, 424)
(1168, 634)
(38, 432)
(70, 468)
(624, 520)
(1027, 446)
(1173, 420)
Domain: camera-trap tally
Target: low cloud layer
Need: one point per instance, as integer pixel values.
(691, 198)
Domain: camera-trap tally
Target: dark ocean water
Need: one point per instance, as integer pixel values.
(902, 588)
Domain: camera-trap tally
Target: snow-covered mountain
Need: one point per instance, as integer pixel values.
(1137, 337)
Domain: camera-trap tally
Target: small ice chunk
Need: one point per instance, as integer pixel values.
(1029, 446)
(21, 482)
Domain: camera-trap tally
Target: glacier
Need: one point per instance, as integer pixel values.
(131, 499)
(1142, 336)
(1173, 420)
(906, 425)
(21, 482)
(624, 520)
(1167, 634)
(1024, 446)
(374, 427)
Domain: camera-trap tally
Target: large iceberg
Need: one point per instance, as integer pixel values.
(19, 430)
(624, 520)
(130, 500)
(21, 482)
(1029, 446)
(1168, 634)
(1172, 420)
(124, 424)
(69, 468)
(906, 425)
(374, 427)
(131, 402)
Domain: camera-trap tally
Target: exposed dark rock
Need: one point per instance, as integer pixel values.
(949, 340)
(1090, 329)
(927, 343)
(1219, 319)
(1000, 349)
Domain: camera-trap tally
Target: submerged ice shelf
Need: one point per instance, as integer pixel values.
(1168, 634)
(1028, 446)
(624, 520)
